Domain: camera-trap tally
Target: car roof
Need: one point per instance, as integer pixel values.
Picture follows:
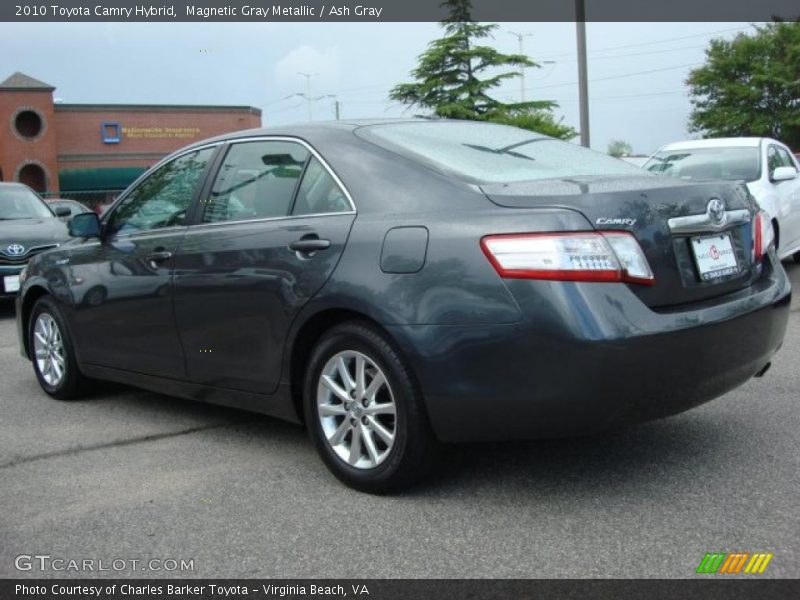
(729, 142)
(306, 129)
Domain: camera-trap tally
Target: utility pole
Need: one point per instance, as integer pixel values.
(308, 77)
(583, 83)
(520, 37)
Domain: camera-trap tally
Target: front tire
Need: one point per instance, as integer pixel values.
(364, 412)
(52, 352)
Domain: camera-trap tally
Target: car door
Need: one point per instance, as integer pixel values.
(788, 195)
(122, 286)
(271, 230)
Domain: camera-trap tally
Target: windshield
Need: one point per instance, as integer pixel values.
(731, 163)
(17, 202)
(485, 152)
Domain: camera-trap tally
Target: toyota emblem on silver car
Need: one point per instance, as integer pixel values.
(716, 211)
(15, 249)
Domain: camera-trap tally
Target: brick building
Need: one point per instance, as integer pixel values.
(76, 148)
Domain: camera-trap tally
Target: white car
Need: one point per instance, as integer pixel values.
(767, 166)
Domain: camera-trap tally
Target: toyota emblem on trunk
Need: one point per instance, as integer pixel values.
(716, 211)
(15, 249)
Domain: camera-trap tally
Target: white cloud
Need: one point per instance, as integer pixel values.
(308, 59)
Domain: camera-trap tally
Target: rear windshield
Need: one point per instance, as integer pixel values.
(732, 163)
(485, 152)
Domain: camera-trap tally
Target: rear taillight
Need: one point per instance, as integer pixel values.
(581, 256)
(763, 235)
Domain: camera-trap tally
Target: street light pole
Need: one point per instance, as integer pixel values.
(520, 37)
(583, 84)
(308, 77)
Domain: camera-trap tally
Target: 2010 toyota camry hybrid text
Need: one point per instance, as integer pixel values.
(396, 284)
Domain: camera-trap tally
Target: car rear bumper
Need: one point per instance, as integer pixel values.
(590, 357)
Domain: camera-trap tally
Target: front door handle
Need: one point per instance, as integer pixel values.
(308, 245)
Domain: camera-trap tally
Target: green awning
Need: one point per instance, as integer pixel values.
(86, 180)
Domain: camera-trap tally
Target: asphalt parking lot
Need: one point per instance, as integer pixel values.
(136, 475)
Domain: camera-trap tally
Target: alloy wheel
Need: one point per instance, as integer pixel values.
(49, 350)
(356, 409)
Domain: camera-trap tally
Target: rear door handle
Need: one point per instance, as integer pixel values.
(308, 245)
(159, 256)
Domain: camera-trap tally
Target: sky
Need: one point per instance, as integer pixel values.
(636, 70)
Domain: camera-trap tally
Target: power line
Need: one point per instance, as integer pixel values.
(664, 93)
(663, 41)
(628, 54)
(592, 54)
(345, 91)
(623, 96)
(338, 92)
(675, 39)
(620, 76)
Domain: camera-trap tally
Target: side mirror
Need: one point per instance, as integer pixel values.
(784, 174)
(84, 225)
(62, 211)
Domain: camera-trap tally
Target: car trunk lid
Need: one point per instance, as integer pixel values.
(670, 218)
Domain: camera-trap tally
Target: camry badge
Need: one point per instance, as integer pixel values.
(716, 212)
(625, 222)
(15, 249)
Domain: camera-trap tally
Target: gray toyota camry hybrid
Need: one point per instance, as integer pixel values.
(398, 284)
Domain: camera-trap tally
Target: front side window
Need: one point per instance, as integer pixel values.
(490, 153)
(733, 163)
(18, 202)
(257, 180)
(319, 193)
(163, 198)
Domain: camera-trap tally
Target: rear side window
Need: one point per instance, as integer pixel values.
(319, 193)
(486, 152)
(257, 180)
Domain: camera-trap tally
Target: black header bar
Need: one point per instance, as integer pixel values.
(391, 10)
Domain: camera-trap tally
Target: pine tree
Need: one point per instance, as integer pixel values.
(456, 74)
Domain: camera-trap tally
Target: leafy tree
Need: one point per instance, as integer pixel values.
(750, 85)
(617, 148)
(455, 75)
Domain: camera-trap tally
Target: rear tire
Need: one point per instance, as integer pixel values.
(364, 412)
(796, 257)
(53, 353)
